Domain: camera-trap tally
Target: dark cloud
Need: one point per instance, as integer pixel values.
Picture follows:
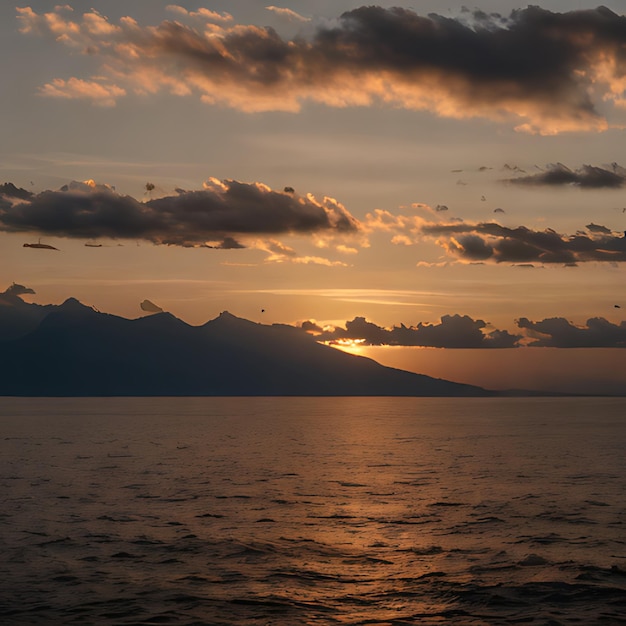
(454, 331)
(150, 307)
(311, 327)
(587, 177)
(228, 243)
(597, 228)
(17, 290)
(461, 331)
(10, 190)
(221, 212)
(537, 57)
(557, 332)
(489, 241)
(546, 70)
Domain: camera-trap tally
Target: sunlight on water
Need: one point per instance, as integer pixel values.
(312, 511)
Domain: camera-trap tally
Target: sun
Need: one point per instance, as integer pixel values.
(353, 346)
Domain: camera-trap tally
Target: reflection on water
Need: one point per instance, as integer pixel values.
(312, 511)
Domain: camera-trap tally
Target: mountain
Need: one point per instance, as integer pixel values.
(18, 318)
(77, 351)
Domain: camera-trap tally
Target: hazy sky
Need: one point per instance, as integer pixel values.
(458, 170)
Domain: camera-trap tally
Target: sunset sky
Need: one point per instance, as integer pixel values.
(456, 169)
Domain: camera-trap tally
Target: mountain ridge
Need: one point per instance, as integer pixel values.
(75, 350)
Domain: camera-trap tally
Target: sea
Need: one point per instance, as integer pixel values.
(312, 511)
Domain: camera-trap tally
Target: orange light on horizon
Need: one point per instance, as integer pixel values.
(353, 346)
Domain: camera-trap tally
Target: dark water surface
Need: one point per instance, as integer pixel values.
(289, 511)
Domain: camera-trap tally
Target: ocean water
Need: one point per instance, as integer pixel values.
(289, 511)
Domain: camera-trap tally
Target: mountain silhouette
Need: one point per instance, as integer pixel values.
(77, 351)
(18, 318)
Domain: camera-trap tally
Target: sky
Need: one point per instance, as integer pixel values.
(441, 188)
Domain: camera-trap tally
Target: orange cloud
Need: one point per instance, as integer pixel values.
(290, 15)
(99, 93)
(541, 72)
(278, 252)
(204, 14)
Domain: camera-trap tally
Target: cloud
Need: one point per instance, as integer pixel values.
(150, 307)
(290, 15)
(557, 332)
(217, 216)
(310, 326)
(278, 252)
(482, 242)
(17, 290)
(11, 191)
(453, 331)
(401, 225)
(461, 331)
(598, 228)
(489, 241)
(586, 177)
(87, 185)
(346, 249)
(202, 14)
(98, 92)
(228, 243)
(542, 71)
(318, 260)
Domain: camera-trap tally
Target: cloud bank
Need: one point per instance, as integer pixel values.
(492, 242)
(543, 71)
(453, 331)
(216, 216)
(586, 177)
(557, 332)
(231, 214)
(461, 331)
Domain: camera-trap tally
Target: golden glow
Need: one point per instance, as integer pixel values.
(583, 370)
(100, 94)
(352, 346)
(442, 92)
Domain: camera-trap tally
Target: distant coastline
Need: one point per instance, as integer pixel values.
(74, 350)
